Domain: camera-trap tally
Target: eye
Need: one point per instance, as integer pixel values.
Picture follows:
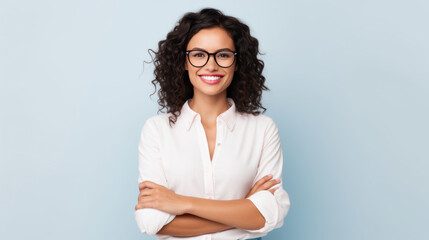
(224, 55)
(198, 55)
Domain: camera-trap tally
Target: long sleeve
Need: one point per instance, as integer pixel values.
(275, 207)
(150, 220)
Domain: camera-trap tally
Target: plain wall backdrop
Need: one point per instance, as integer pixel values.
(349, 93)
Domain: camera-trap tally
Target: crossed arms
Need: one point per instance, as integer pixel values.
(161, 211)
(197, 216)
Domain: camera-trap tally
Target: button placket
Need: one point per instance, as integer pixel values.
(219, 139)
(219, 133)
(205, 156)
(209, 177)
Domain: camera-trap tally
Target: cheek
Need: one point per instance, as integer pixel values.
(191, 72)
(230, 79)
(231, 73)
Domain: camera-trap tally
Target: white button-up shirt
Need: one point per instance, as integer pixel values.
(247, 148)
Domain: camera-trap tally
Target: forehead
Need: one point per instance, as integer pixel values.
(211, 39)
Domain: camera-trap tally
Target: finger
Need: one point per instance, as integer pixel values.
(273, 190)
(145, 199)
(256, 187)
(147, 184)
(141, 206)
(146, 192)
(263, 180)
(269, 184)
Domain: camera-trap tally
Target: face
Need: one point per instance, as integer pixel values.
(211, 79)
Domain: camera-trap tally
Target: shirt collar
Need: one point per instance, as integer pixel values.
(189, 116)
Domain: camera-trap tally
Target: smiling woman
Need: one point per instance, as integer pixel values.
(211, 166)
(203, 69)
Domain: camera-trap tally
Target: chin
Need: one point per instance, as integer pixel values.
(209, 92)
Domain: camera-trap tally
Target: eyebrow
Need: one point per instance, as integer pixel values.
(195, 48)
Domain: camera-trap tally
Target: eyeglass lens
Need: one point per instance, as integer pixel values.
(200, 58)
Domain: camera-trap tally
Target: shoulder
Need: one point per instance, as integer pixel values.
(161, 122)
(268, 129)
(155, 123)
(157, 119)
(261, 124)
(261, 120)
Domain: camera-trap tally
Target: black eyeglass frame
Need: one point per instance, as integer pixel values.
(214, 56)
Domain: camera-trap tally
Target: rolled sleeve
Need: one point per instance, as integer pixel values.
(150, 220)
(273, 208)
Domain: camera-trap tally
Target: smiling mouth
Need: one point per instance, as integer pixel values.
(211, 79)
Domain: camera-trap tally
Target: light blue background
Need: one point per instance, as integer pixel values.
(349, 93)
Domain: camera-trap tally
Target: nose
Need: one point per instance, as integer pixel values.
(211, 64)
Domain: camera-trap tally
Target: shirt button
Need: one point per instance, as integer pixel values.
(218, 143)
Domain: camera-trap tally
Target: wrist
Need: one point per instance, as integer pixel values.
(187, 204)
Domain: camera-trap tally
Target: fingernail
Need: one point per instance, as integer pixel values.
(269, 175)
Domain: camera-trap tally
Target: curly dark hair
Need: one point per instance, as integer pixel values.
(247, 84)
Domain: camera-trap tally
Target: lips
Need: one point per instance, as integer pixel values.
(211, 78)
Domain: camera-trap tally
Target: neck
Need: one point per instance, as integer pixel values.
(209, 107)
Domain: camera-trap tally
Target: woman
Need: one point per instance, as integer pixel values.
(210, 167)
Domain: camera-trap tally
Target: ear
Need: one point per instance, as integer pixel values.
(236, 68)
(186, 65)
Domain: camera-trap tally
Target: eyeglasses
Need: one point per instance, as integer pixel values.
(223, 58)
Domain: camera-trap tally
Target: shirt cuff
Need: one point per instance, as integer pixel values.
(267, 205)
(151, 220)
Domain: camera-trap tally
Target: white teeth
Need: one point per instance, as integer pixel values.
(211, 78)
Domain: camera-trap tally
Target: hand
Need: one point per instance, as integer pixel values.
(264, 184)
(156, 196)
